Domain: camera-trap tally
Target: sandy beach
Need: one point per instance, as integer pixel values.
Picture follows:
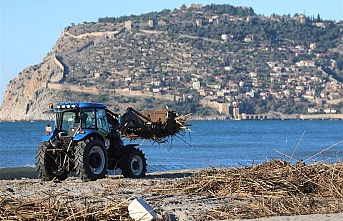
(175, 195)
(313, 217)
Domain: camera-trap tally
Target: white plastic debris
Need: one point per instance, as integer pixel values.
(141, 210)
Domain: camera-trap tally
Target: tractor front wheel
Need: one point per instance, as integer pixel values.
(91, 159)
(134, 165)
(47, 164)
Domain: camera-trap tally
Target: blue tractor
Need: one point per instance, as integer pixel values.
(86, 139)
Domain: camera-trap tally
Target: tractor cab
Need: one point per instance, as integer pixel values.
(79, 120)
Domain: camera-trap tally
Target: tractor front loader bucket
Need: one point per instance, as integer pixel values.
(154, 125)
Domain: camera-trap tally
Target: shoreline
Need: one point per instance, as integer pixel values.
(268, 116)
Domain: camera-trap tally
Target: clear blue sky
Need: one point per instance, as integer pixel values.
(30, 28)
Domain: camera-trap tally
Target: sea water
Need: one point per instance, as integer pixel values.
(207, 144)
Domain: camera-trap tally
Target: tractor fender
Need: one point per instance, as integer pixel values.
(127, 149)
(88, 134)
(49, 137)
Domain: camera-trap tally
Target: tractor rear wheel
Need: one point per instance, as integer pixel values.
(46, 163)
(134, 165)
(91, 159)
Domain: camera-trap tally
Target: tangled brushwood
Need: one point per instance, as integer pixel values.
(155, 125)
(274, 188)
(60, 207)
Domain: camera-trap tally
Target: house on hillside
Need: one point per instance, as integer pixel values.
(249, 38)
(227, 37)
(194, 6)
(306, 63)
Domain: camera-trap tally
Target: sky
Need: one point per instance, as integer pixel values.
(30, 28)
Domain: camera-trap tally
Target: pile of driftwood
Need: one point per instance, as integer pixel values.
(156, 125)
(274, 188)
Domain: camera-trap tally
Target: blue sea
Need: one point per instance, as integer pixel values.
(208, 144)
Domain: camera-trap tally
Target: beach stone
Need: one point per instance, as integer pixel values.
(141, 210)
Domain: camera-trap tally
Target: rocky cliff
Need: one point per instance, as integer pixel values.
(26, 95)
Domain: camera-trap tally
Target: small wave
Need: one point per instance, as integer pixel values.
(18, 173)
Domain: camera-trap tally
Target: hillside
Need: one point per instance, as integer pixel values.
(199, 59)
